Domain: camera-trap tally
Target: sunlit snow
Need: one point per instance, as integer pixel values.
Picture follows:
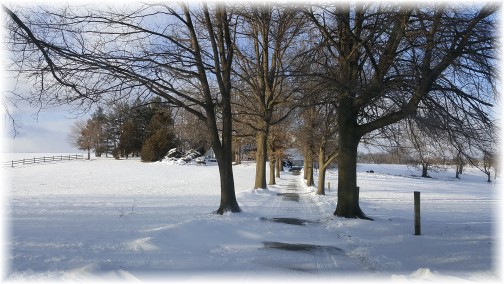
(125, 220)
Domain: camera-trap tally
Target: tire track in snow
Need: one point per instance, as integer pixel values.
(272, 206)
(325, 262)
(320, 259)
(325, 258)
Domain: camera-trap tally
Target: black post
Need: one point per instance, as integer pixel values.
(417, 212)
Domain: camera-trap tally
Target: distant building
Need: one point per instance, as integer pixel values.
(295, 156)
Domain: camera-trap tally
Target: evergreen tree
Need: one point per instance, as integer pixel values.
(161, 136)
(130, 141)
(99, 118)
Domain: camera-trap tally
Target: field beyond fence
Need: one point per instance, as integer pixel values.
(45, 159)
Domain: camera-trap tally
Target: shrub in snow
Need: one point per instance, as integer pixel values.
(156, 146)
(160, 138)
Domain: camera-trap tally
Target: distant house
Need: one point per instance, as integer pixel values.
(295, 156)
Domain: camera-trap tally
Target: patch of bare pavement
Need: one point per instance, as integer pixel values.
(293, 209)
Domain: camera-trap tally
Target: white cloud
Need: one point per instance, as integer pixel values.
(44, 134)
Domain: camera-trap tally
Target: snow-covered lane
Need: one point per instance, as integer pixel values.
(126, 220)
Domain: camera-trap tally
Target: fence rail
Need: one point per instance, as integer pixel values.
(44, 159)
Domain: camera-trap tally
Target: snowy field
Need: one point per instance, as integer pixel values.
(109, 220)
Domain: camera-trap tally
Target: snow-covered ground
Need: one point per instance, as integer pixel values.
(125, 220)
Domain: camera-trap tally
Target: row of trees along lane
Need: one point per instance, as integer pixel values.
(278, 140)
(317, 133)
(373, 64)
(267, 44)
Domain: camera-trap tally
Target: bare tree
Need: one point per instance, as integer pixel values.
(243, 136)
(488, 163)
(278, 141)
(179, 52)
(327, 146)
(269, 34)
(306, 136)
(382, 63)
(386, 63)
(428, 146)
(318, 135)
(84, 135)
(9, 117)
(191, 131)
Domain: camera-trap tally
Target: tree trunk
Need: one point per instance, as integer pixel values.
(261, 156)
(305, 157)
(348, 141)
(279, 166)
(322, 171)
(309, 169)
(460, 164)
(89, 154)
(324, 162)
(321, 180)
(237, 158)
(223, 149)
(272, 165)
(237, 154)
(228, 198)
(425, 167)
(224, 157)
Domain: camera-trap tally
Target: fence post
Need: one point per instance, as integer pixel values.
(416, 196)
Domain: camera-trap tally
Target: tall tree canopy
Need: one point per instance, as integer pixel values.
(266, 48)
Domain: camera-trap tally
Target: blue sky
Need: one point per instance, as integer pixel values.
(45, 133)
(38, 132)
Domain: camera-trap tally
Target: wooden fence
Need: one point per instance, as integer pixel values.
(44, 159)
